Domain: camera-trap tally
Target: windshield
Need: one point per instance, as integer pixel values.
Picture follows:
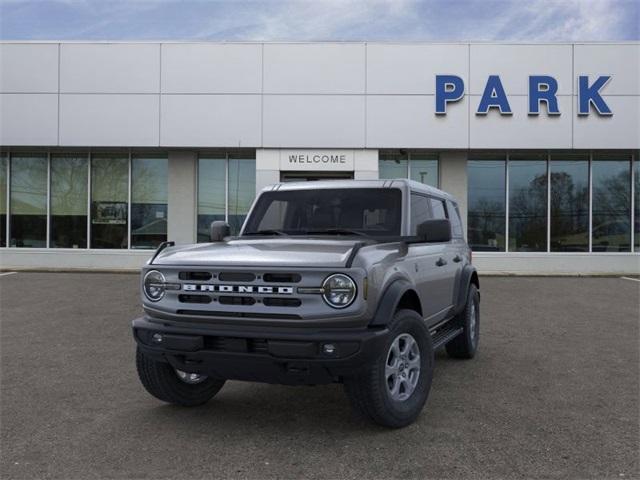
(339, 211)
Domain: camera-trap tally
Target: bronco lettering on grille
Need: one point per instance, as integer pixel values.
(260, 289)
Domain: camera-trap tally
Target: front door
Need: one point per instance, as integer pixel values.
(313, 176)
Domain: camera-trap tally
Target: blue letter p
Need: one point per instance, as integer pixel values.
(449, 88)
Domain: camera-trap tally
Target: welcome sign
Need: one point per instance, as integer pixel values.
(317, 160)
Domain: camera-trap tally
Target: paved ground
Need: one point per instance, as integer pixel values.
(553, 393)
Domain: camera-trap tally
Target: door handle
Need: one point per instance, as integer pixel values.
(441, 262)
(457, 259)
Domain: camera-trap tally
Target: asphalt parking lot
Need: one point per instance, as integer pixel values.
(553, 393)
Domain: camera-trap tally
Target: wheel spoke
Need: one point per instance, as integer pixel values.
(402, 368)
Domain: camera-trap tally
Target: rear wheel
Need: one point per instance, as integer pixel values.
(175, 386)
(394, 388)
(465, 345)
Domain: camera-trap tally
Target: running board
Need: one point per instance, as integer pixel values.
(444, 335)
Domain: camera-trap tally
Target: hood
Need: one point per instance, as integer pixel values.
(279, 252)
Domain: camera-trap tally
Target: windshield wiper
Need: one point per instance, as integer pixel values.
(337, 231)
(266, 232)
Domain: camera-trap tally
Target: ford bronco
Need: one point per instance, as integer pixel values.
(356, 282)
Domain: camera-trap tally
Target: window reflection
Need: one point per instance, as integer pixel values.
(211, 194)
(636, 189)
(3, 199)
(69, 201)
(424, 169)
(611, 181)
(487, 205)
(109, 196)
(149, 194)
(569, 203)
(242, 190)
(28, 200)
(528, 203)
(393, 165)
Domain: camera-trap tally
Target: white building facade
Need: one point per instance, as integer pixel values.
(107, 149)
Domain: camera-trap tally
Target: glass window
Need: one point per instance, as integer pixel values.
(424, 168)
(454, 218)
(420, 211)
(149, 194)
(487, 204)
(69, 178)
(242, 190)
(28, 200)
(393, 165)
(569, 203)
(109, 197)
(611, 181)
(211, 194)
(636, 188)
(438, 209)
(3, 199)
(528, 203)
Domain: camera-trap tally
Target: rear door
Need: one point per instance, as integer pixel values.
(446, 265)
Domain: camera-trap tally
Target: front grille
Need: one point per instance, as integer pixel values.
(236, 277)
(229, 300)
(195, 276)
(281, 277)
(221, 314)
(282, 302)
(194, 298)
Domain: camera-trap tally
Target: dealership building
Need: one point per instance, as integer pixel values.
(108, 149)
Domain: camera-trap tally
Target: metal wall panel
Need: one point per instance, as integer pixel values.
(620, 61)
(621, 130)
(28, 119)
(28, 68)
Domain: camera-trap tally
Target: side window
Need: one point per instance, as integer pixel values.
(456, 222)
(438, 209)
(420, 211)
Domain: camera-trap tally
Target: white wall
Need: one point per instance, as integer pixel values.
(311, 95)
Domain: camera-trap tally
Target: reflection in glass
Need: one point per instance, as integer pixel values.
(211, 194)
(242, 190)
(28, 201)
(636, 189)
(149, 194)
(528, 204)
(611, 230)
(109, 195)
(3, 200)
(487, 205)
(424, 169)
(569, 203)
(392, 165)
(69, 201)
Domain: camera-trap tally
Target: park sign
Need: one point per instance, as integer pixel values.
(542, 89)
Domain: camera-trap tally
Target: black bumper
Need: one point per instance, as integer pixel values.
(291, 357)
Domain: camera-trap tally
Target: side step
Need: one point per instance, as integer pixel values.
(445, 334)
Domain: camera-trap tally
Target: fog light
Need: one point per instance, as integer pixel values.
(157, 338)
(329, 348)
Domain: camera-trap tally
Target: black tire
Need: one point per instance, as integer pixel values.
(465, 345)
(369, 392)
(161, 380)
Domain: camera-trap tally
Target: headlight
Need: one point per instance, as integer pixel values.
(339, 290)
(154, 285)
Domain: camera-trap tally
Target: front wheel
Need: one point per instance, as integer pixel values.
(175, 386)
(392, 390)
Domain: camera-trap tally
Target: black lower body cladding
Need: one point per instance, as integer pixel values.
(291, 357)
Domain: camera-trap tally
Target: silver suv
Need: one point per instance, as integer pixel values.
(355, 282)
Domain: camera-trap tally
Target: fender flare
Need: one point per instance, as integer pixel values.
(468, 272)
(389, 302)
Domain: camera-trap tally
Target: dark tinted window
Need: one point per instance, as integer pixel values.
(454, 217)
(487, 204)
(528, 203)
(420, 211)
(370, 211)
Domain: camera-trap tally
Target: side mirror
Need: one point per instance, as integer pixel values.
(218, 230)
(434, 231)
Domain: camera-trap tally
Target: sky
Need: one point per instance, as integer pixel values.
(321, 20)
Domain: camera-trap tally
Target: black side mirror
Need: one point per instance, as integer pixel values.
(218, 230)
(434, 231)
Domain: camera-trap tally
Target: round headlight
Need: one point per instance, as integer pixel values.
(154, 285)
(339, 290)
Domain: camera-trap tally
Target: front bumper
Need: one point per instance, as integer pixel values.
(274, 355)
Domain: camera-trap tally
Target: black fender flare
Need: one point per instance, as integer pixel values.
(466, 277)
(389, 301)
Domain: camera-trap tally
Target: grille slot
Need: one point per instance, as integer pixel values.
(228, 300)
(282, 302)
(282, 277)
(197, 276)
(236, 277)
(194, 298)
(208, 313)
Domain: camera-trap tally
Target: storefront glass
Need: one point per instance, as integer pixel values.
(149, 195)
(242, 190)
(569, 220)
(28, 223)
(486, 199)
(109, 197)
(423, 168)
(636, 188)
(419, 166)
(69, 182)
(211, 194)
(3, 199)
